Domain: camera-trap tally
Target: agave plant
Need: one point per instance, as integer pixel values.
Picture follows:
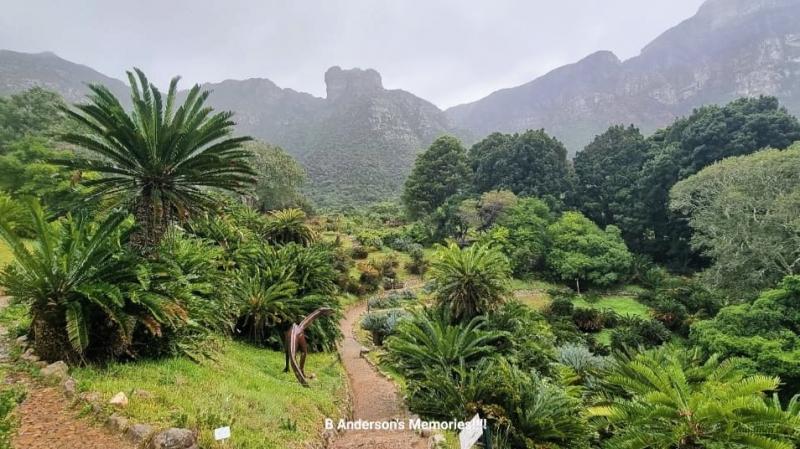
(159, 158)
(430, 339)
(287, 226)
(86, 295)
(668, 403)
(470, 281)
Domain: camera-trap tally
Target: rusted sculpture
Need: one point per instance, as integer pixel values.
(295, 339)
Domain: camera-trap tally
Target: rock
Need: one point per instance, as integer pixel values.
(29, 356)
(22, 340)
(363, 351)
(425, 432)
(139, 433)
(69, 387)
(116, 423)
(327, 436)
(174, 439)
(142, 394)
(91, 397)
(436, 441)
(119, 400)
(58, 370)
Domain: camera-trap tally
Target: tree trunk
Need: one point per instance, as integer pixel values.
(152, 222)
(50, 339)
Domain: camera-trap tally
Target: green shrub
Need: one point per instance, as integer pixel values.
(383, 302)
(370, 239)
(382, 323)
(369, 277)
(531, 340)
(359, 252)
(588, 320)
(636, 332)
(561, 307)
(418, 264)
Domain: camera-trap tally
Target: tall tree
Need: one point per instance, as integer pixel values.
(440, 172)
(34, 112)
(743, 211)
(711, 133)
(582, 252)
(280, 178)
(528, 164)
(606, 172)
(158, 159)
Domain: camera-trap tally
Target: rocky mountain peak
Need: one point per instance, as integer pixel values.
(351, 81)
(720, 12)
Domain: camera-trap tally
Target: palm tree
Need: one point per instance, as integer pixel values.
(158, 158)
(669, 404)
(81, 287)
(470, 281)
(289, 225)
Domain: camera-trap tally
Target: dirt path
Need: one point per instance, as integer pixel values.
(375, 397)
(45, 422)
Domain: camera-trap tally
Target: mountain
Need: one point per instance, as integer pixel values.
(358, 143)
(729, 49)
(21, 71)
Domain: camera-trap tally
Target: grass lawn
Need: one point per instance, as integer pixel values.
(534, 294)
(623, 305)
(244, 388)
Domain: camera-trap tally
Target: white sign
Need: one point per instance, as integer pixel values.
(222, 433)
(472, 432)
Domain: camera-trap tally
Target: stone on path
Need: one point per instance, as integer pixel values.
(69, 386)
(174, 439)
(119, 400)
(139, 433)
(58, 370)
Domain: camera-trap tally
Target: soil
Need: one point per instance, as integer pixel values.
(46, 422)
(375, 397)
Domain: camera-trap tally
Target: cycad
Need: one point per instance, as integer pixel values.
(470, 281)
(431, 340)
(672, 404)
(287, 226)
(159, 158)
(81, 286)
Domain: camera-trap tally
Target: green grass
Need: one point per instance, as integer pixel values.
(534, 293)
(623, 305)
(245, 388)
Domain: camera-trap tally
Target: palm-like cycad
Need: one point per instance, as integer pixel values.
(289, 225)
(81, 287)
(676, 406)
(470, 281)
(431, 340)
(159, 157)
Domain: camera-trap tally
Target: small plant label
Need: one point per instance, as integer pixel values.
(223, 433)
(471, 432)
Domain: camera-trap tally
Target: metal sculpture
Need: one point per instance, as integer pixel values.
(295, 339)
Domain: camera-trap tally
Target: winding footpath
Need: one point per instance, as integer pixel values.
(375, 398)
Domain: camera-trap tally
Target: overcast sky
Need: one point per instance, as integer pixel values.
(446, 51)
